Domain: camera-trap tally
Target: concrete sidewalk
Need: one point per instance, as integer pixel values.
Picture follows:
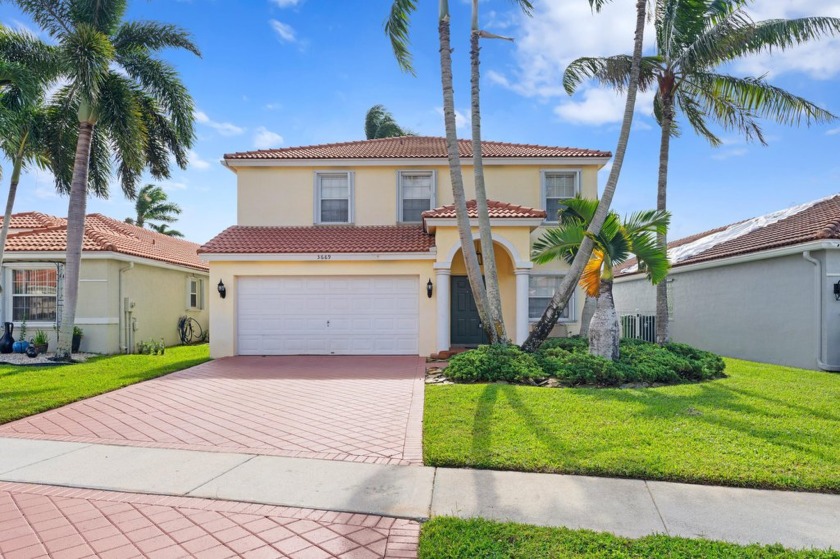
(626, 507)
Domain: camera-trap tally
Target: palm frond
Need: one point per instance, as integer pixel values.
(525, 5)
(590, 279)
(146, 36)
(715, 44)
(103, 16)
(558, 243)
(766, 35)
(51, 15)
(611, 71)
(652, 258)
(87, 53)
(397, 29)
(121, 116)
(647, 221)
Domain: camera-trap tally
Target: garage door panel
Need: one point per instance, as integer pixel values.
(328, 315)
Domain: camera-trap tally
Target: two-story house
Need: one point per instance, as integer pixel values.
(353, 248)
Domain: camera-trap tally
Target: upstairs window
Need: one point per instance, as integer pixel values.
(540, 291)
(334, 197)
(558, 186)
(416, 194)
(34, 295)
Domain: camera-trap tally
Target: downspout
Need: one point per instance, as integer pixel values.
(822, 342)
(123, 324)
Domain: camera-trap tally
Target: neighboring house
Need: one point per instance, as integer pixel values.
(765, 289)
(352, 248)
(134, 283)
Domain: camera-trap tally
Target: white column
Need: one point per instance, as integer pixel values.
(442, 288)
(522, 276)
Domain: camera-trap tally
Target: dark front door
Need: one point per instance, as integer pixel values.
(466, 326)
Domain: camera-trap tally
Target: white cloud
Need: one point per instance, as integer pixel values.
(284, 31)
(602, 106)
(462, 120)
(266, 139)
(833, 132)
(273, 106)
(196, 161)
(223, 128)
(172, 185)
(286, 3)
(730, 153)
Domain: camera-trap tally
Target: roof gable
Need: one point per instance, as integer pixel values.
(497, 210)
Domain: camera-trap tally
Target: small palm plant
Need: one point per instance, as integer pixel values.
(617, 242)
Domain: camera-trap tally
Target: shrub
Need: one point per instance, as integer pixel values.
(491, 363)
(578, 368)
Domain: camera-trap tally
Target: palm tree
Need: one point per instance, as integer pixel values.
(694, 37)
(152, 205)
(130, 108)
(164, 228)
(25, 71)
(380, 123)
(616, 242)
(564, 291)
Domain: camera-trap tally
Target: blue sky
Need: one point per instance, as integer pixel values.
(294, 72)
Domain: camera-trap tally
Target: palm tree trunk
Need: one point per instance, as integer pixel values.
(604, 330)
(662, 321)
(464, 229)
(10, 204)
(564, 292)
(491, 274)
(586, 315)
(75, 238)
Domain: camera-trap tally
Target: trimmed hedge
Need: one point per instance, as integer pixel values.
(568, 360)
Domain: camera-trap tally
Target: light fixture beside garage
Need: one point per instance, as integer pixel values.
(222, 289)
(429, 288)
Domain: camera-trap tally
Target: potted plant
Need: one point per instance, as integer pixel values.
(77, 339)
(21, 345)
(41, 341)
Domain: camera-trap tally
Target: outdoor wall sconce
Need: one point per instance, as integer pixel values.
(222, 289)
(429, 288)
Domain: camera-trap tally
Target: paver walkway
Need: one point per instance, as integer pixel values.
(40, 521)
(360, 409)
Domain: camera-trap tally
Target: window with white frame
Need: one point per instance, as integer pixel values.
(416, 194)
(195, 293)
(34, 294)
(334, 197)
(540, 291)
(558, 186)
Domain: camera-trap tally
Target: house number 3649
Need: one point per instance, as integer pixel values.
(324, 256)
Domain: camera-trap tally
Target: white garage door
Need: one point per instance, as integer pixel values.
(328, 315)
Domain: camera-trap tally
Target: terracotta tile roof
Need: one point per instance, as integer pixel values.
(412, 147)
(33, 220)
(497, 210)
(335, 238)
(104, 234)
(817, 222)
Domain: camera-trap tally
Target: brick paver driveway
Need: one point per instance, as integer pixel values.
(38, 521)
(362, 409)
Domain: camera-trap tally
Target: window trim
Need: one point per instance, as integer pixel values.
(432, 199)
(572, 300)
(578, 173)
(8, 296)
(199, 282)
(351, 198)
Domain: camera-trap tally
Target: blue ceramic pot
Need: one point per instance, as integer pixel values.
(20, 346)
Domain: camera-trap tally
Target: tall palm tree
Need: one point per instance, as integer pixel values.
(564, 291)
(380, 123)
(130, 107)
(164, 228)
(152, 204)
(616, 242)
(25, 71)
(693, 39)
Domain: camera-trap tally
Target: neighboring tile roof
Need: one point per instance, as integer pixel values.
(323, 238)
(816, 222)
(412, 147)
(104, 234)
(497, 210)
(33, 220)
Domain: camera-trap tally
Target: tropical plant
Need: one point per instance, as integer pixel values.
(152, 204)
(616, 242)
(122, 105)
(164, 229)
(380, 123)
(542, 329)
(25, 70)
(693, 39)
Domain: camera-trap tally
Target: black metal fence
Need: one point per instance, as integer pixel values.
(639, 326)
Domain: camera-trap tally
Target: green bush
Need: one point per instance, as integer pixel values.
(492, 363)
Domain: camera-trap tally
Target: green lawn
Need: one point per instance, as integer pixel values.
(451, 538)
(764, 426)
(25, 390)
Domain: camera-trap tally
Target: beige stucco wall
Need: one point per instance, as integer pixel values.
(160, 295)
(273, 196)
